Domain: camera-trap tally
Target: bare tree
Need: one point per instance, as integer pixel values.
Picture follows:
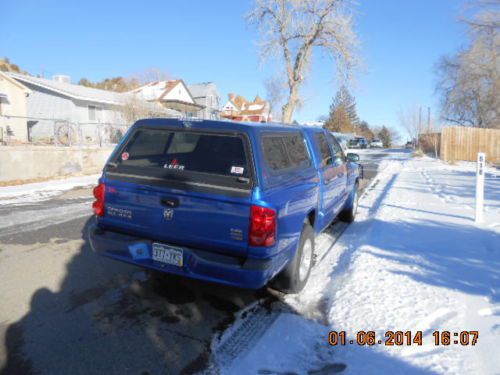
(411, 120)
(487, 15)
(134, 109)
(151, 74)
(275, 95)
(432, 138)
(292, 29)
(469, 81)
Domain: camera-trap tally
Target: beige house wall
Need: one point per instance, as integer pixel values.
(14, 105)
(26, 162)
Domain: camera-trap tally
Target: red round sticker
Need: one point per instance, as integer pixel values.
(125, 156)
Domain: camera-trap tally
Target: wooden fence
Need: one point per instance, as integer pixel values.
(461, 143)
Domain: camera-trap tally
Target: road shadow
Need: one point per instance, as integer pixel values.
(111, 318)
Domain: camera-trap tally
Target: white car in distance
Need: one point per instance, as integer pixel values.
(376, 143)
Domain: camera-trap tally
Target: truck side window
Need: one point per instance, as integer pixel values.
(275, 153)
(339, 153)
(297, 151)
(326, 153)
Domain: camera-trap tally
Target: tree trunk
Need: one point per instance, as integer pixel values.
(287, 111)
(290, 105)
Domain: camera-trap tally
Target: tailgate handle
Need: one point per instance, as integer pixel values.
(170, 202)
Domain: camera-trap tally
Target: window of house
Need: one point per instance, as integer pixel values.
(94, 113)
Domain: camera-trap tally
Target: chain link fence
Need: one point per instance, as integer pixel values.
(82, 134)
(40, 131)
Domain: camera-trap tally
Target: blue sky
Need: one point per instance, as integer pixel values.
(209, 41)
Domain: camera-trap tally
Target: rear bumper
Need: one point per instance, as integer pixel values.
(197, 264)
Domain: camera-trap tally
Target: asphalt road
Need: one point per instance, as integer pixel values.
(65, 310)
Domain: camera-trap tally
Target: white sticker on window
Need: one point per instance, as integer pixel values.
(237, 170)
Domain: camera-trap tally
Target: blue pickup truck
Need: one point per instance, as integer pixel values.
(229, 202)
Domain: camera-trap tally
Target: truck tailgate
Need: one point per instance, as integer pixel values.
(176, 217)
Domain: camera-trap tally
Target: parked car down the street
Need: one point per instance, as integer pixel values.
(376, 143)
(229, 202)
(358, 142)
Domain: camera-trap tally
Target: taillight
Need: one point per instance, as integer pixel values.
(98, 205)
(262, 226)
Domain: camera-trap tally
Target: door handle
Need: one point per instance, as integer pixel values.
(170, 202)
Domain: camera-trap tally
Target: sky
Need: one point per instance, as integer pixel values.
(198, 41)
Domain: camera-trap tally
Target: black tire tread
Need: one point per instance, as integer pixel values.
(288, 280)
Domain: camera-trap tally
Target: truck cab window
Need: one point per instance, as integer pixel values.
(339, 157)
(326, 152)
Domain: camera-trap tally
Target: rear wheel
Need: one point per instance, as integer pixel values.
(348, 214)
(295, 275)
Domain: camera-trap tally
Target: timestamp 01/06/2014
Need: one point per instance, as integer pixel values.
(400, 338)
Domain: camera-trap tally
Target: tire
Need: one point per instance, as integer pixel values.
(295, 275)
(348, 214)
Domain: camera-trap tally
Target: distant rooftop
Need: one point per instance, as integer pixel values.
(71, 90)
(88, 94)
(200, 90)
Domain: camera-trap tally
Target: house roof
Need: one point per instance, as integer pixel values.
(88, 94)
(240, 102)
(259, 100)
(7, 76)
(201, 90)
(157, 91)
(245, 107)
(70, 90)
(251, 111)
(169, 86)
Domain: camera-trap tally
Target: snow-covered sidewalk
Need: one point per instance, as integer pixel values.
(414, 260)
(40, 191)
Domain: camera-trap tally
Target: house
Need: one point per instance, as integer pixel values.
(173, 94)
(57, 101)
(13, 109)
(206, 95)
(238, 108)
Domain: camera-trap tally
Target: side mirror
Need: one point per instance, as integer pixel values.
(352, 157)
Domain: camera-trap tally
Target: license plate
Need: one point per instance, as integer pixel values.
(167, 254)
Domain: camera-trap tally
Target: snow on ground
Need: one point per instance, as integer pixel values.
(40, 191)
(31, 220)
(413, 260)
